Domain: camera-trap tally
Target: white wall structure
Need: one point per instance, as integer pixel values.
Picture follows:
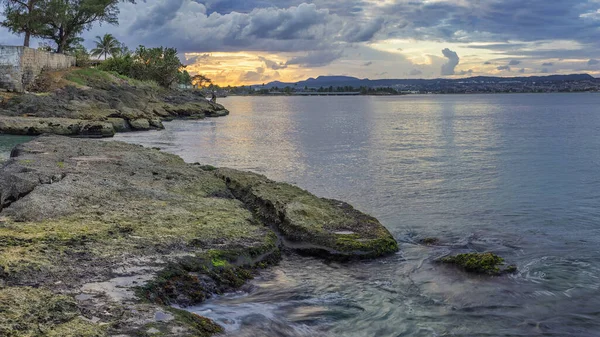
(19, 66)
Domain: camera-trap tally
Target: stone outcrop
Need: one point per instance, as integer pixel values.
(116, 104)
(113, 233)
(315, 225)
(33, 126)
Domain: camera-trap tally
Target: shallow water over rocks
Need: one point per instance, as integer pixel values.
(513, 174)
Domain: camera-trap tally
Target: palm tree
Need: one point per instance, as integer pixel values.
(106, 45)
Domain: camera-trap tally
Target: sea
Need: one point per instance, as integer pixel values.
(513, 174)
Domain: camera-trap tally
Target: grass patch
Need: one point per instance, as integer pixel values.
(86, 76)
(134, 82)
(94, 77)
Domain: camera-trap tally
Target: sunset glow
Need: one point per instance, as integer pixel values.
(258, 41)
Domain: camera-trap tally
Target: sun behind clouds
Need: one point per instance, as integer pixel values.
(241, 68)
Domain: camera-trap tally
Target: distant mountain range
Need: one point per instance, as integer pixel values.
(341, 81)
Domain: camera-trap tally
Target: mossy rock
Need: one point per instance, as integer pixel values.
(480, 263)
(430, 241)
(315, 225)
(196, 278)
(28, 311)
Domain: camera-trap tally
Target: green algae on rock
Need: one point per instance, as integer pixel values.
(308, 223)
(480, 263)
(27, 311)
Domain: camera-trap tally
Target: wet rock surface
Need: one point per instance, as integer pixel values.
(114, 233)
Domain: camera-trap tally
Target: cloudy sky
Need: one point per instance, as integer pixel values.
(255, 41)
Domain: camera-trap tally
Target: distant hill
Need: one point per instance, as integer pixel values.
(341, 81)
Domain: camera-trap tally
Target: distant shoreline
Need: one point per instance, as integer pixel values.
(422, 94)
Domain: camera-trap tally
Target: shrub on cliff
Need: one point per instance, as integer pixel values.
(148, 64)
(122, 65)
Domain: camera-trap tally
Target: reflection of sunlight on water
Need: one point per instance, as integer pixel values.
(512, 174)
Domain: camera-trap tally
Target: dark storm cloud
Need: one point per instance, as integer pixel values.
(593, 62)
(300, 28)
(514, 62)
(246, 6)
(522, 71)
(285, 24)
(269, 26)
(340, 7)
(496, 20)
(547, 64)
(453, 60)
(159, 14)
(316, 25)
(366, 64)
(297, 25)
(507, 68)
(362, 33)
(316, 59)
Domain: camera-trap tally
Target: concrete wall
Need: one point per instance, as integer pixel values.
(19, 66)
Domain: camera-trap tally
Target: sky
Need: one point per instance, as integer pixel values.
(241, 42)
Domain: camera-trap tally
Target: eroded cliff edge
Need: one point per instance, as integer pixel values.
(101, 238)
(94, 103)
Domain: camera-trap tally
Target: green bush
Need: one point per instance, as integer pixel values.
(148, 64)
(121, 65)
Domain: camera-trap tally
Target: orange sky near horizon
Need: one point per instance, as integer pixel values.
(392, 59)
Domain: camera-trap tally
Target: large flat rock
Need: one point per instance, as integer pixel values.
(96, 225)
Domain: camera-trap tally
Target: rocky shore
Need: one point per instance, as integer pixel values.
(103, 238)
(93, 103)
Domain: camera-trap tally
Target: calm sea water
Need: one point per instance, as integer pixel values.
(517, 175)
(8, 142)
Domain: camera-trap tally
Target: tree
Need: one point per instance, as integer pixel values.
(81, 54)
(65, 20)
(106, 45)
(199, 80)
(159, 64)
(184, 78)
(123, 51)
(23, 17)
